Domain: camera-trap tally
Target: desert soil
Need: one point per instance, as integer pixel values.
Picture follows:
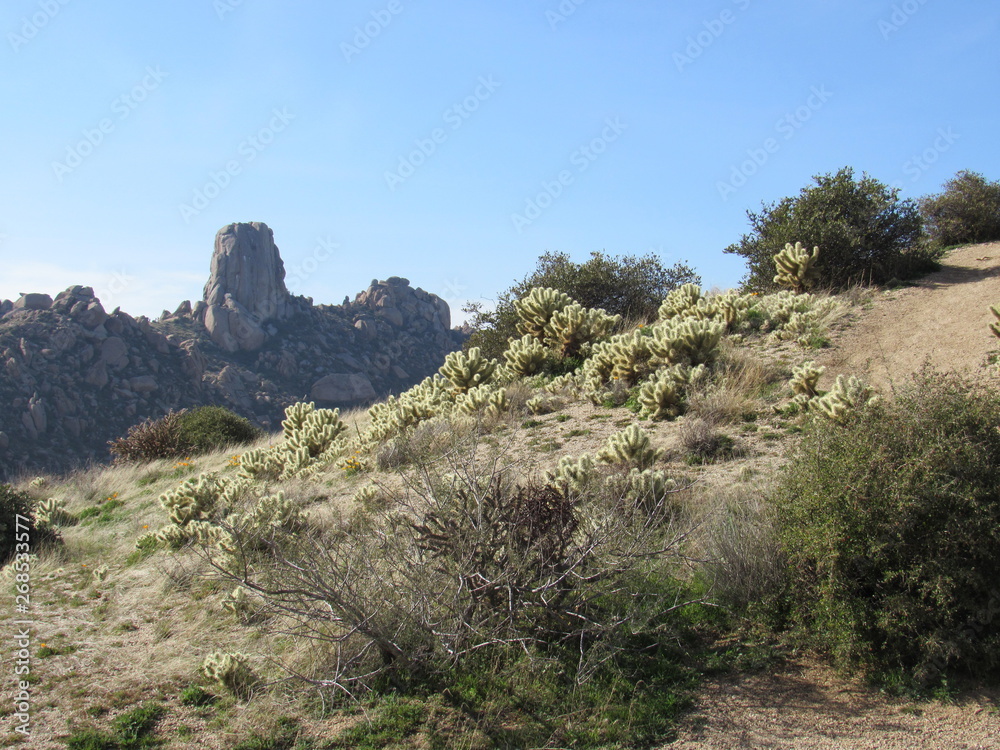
(943, 320)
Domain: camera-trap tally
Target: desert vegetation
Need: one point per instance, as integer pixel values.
(549, 540)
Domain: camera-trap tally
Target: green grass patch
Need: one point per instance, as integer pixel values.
(130, 731)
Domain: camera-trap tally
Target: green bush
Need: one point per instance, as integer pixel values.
(891, 522)
(209, 428)
(865, 233)
(968, 211)
(630, 286)
(182, 433)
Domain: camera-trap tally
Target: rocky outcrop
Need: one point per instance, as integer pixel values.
(343, 388)
(73, 376)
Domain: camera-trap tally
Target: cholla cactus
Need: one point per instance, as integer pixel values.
(52, 512)
(313, 438)
(679, 301)
(194, 500)
(536, 309)
(663, 397)
(262, 463)
(688, 341)
(647, 488)
(172, 536)
(544, 403)
(847, 395)
(995, 327)
(526, 355)
(805, 378)
(797, 268)
(482, 398)
(426, 400)
(236, 601)
(232, 671)
(731, 309)
(570, 329)
(316, 429)
(465, 370)
(630, 446)
(38, 482)
(367, 494)
(632, 356)
(269, 513)
(573, 475)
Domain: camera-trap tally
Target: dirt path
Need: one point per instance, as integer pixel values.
(943, 319)
(805, 706)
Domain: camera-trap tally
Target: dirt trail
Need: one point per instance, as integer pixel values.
(944, 320)
(805, 706)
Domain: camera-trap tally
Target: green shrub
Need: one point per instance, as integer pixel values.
(891, 522)
(630, 286)
(968, 211)
(867, 234)
(208, 428)
(182, 433)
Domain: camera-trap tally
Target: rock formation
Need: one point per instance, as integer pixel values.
(246, 288)
(73, 376)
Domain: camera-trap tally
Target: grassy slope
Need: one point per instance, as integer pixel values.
(139, 630)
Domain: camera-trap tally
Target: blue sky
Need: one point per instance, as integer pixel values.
(453, 143)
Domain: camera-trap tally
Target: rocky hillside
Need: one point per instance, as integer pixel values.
(75, 376)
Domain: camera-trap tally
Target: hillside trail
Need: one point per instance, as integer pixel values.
(942, 320)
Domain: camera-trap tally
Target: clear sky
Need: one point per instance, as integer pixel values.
(453, 143)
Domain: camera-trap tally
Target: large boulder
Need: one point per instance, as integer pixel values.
(33, 302)
(343, 388)
(246, 265)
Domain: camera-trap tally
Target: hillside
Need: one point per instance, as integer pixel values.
(117, 628)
